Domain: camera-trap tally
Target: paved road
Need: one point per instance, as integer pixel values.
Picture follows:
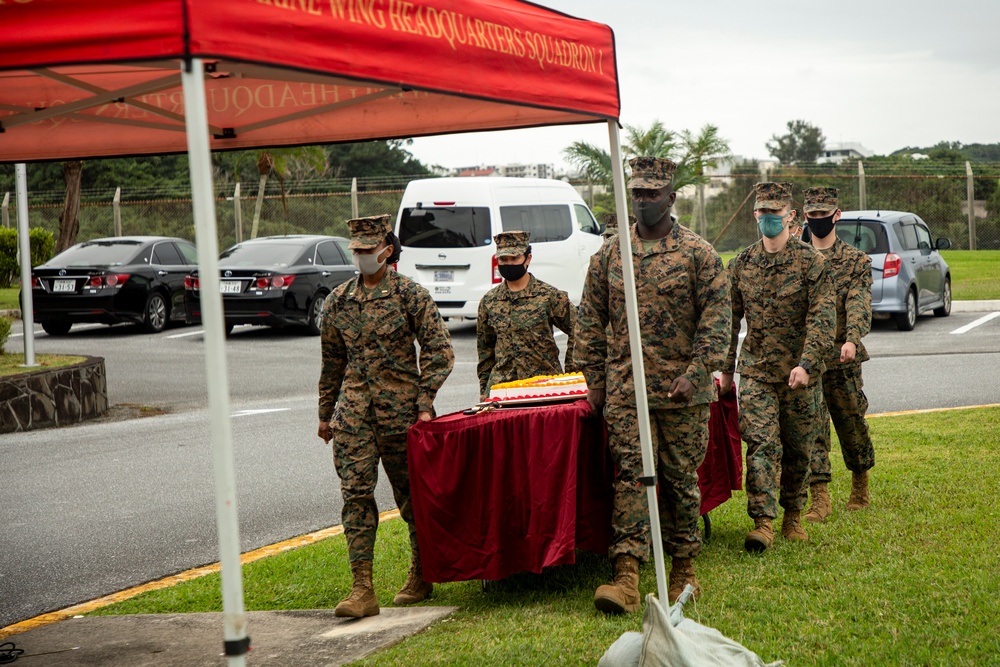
(92, 509)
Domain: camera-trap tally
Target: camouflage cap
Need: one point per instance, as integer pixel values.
(512, 244)
(368, 233)
(823, 200)
(651, 172)
(772, 195)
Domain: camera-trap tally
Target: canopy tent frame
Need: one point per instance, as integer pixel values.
(559, 97)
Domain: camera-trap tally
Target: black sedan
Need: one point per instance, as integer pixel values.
(137, 279)
(276, 280)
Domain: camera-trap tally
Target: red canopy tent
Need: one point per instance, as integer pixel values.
(117, 77)
(101, 79)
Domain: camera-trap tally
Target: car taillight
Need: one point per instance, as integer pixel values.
(36, 283)
(116, 279)
(891, 266)
(190, 282)
(277, 282)
(496, 271)
(110, 280)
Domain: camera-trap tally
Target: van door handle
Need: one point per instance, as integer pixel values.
(325, 273)
(161, 273)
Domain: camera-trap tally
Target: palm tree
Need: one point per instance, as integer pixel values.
(595, 163)
(655, 141)
(275, 160)
(701, 151)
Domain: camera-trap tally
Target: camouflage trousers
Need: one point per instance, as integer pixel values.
(356, 457)
(779, 425)
(680, 441)
(846, 404)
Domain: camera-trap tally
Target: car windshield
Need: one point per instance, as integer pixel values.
(97, 253)
(545, 222)
(260, 254)
(454, 227)
(865, 235)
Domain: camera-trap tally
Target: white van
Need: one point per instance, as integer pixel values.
(446, 227)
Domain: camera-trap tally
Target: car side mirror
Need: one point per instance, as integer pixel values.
(942, 244)
(601, 228)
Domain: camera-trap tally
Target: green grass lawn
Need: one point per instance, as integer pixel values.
(9, 299)
(975, 274)
(10, 363)
(910, 581)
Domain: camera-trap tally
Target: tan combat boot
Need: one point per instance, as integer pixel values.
(791, 527)
(820, 507)
(622, 594)
(761, 537)
(362, 601)
(415, 589)
(681, 574)
(859, 492)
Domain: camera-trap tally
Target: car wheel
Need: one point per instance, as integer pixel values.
(945, 310)
(154, 317)
(906, 320)
(56, 328)
(316, 314)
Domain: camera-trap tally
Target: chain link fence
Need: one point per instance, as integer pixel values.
(938, 197)
(938, 194)
(290, 213)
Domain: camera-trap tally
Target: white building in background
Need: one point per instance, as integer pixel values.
(509, 170)
(840, 152)
(528, 170)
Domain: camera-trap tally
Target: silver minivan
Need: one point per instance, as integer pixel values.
(909, 276)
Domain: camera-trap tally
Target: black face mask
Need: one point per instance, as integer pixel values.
(821, 227)
(649, 213)
(512, 271)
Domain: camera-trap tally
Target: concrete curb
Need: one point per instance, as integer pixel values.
(12, 314)
(975, 306)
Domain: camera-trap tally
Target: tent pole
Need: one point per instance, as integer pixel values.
(635, 346)
(202, 196)
(24, 250)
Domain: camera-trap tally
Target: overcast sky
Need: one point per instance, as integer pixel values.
(883, 73)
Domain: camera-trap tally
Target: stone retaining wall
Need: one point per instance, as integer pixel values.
(53, 396)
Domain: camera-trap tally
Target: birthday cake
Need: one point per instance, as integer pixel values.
(555, 387)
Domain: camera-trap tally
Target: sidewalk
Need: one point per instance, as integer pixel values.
(300, 638)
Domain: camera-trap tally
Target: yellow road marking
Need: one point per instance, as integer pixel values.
(902, 413)
(187, 575)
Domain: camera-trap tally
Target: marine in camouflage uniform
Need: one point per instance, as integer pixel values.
(684, 314)
(371, 390)
(514, 324)
(787, 300)
(850, 273)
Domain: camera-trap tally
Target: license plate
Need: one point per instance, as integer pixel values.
(231, 287)
(444, 276)
(438, 289)
(63, 285)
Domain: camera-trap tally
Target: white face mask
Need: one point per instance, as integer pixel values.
(368, 263)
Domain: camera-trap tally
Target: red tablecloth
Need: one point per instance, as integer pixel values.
(518, 490)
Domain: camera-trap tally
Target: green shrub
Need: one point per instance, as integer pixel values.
(41, 242)
(4, 333)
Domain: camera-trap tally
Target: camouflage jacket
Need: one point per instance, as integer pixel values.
(369, 357)
(850, 272)
(684, 318)
(514, 333)
(788, 304)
